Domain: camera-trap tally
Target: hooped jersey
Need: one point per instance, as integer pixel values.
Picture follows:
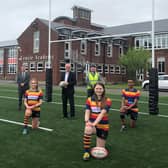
(130, 95)
(95, 109)
(33, 97)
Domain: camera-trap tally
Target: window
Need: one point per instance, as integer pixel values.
(67, 50)
(97, 49)
(25, 64)
(40, 66)
(12, 60)
(1, 60)
(106, 69)
(32, 66)
(83, 47)
(79, 67)
(36, 42)
(161, 41)
(161, 65)
(11, 68)
(46, 65)
(62, 66)
(112, 69)
(117, 69)
(109, 50)
(1, 69)
(121, 51)
(123, 70)
(84, 14)
(100, 68)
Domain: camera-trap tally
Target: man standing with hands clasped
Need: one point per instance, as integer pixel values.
(69, 80)
(91, 79)
(23, 79)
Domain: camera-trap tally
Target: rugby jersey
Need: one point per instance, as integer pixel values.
(130, 95)
(95, 110)
(33, 98)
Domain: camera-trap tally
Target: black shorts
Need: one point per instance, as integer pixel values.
(101, 133)
(133, 115)
(35, 114)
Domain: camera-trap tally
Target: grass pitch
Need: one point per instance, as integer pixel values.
(142, 147)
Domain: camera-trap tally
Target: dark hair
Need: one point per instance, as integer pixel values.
(103, 98)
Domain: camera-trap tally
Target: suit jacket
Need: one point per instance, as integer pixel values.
(25, 79)
(71, 80)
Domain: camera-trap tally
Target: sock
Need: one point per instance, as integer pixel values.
(26, 121)
(86, 142)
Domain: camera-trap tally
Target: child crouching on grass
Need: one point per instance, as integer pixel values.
(32, 102)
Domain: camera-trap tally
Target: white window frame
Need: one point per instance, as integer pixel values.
(36, 41)
(123, 70)
(161, 61)
(97, 49)
(40, 69)
(67, 50)
(119, 69)
(99, 68)
(26, 65)
(1, 61)
(121, 50)
(112, 69)
(1, 68)
(11, 68)
(83, 47)
(109, 50)
(62, 66)
(106, 68)
(32, 68)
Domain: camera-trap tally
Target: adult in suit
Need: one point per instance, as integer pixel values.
(23, 79)
(69, 79)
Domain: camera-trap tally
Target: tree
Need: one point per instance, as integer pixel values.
(135, 59)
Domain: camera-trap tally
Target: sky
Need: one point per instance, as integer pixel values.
(17, 15)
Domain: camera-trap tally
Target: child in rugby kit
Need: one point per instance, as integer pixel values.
(129, 105)
(32, 102)
(96, 119)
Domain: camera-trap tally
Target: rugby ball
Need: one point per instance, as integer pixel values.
(62, 84)
(99, 152)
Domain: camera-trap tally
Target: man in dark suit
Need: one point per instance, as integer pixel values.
(69, 79)
(23, 79)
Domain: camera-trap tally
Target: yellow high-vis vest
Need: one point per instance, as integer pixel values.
(93, 79)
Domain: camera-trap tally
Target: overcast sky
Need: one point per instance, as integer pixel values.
(16, 15)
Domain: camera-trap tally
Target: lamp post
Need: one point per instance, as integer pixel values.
(49, 68)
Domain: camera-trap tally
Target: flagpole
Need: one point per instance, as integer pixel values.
(49, 67)
(153, 34)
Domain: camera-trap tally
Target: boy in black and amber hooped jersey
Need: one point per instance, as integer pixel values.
(32, 102)
(129, 105)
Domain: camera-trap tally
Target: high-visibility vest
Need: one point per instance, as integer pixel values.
(93, 79)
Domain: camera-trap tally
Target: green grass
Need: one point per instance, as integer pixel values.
(142, 147)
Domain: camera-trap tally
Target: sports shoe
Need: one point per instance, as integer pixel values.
(86, 156)
(25, 131)
(123, 128)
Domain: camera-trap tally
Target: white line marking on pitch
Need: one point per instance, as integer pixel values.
(19, 123)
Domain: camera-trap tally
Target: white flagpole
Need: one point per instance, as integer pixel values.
(49, 36)
(153, 33)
